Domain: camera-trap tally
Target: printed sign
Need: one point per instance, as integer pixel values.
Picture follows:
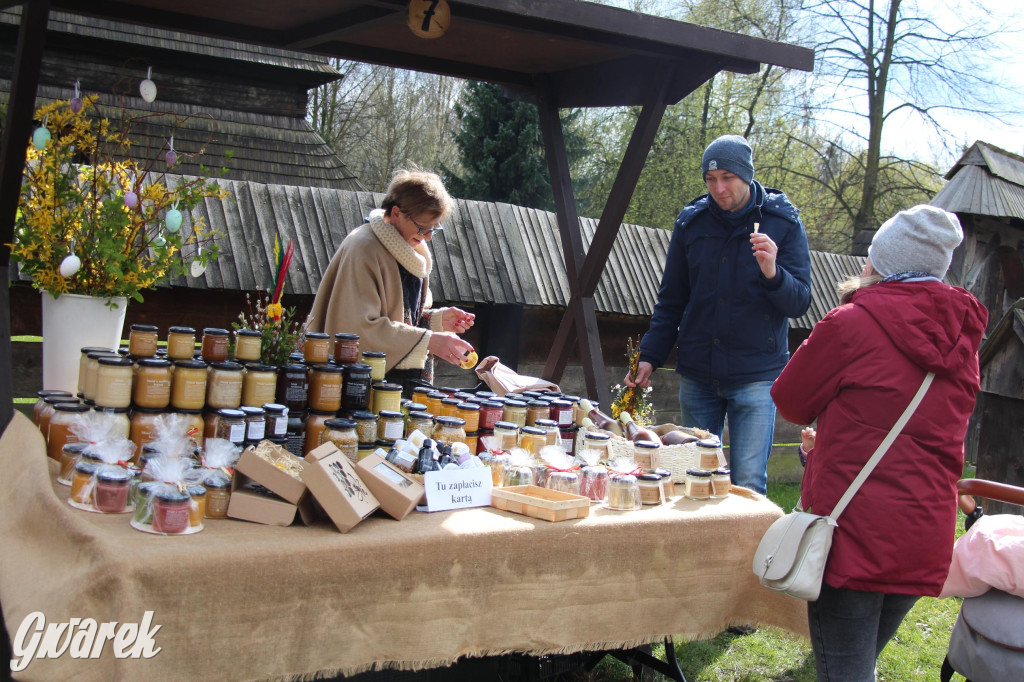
(458, 488)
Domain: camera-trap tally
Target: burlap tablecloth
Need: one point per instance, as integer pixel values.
(245, 601)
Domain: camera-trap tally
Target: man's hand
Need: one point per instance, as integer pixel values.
(643, 375)
(765, 252)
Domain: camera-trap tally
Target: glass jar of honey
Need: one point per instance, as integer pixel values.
(46, 413)
(698, 484)
(293, 387)
(422, 421)
(507, 435)
(255, 424)
(113, 382)
(224, 385)
(259, 385)
(181, 343)
(536, 409)
(316, 348)
(143, 427)
(83, 480)
(325, 388)
(41, 402)
(316, 422)
(449, 407)
(514, 411)
(377, 362)
(59, 432)
(448, 430)
(248, 345)
(366, 426)
(490, 414)
(218, 495)
(188, 385)
(70, 454)
(346, 348)
(92, 367)
(153, 383)
(384, 396)
(231, 425)
(197, 506)
(215, 345)
(82, 360)
(470, 413)
(419, 395)
(551, 430)
(142, 341)
(721, 482)
(196, 425)
(342, 433)
(356, 394)
(647, 454)
(390, 426)
(623, 492)
(119, 416)
(597, 444)
(277, 420)
(434, 399)
(651, 490)
(532, 439)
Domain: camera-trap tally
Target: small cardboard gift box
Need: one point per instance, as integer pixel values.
(332, 479)
(271, 477)
(269, 509)
(397, 491)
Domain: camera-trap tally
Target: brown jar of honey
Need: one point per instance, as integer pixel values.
(325, 388)
(215, 344)
(153, 383)
(46, 413)
(260, 385)
(64, 415)
(346, 348)
(143, 427)
(142, 341)
(316, 348)
(41, 402)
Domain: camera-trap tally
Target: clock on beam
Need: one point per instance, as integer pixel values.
(429, 18)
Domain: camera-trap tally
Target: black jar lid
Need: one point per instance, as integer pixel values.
(247, 332)
(317, 335)
(381, 386)
(181, 330)
(143, 328)
(196, 490)
(374, 354)
(190, 364)
(468, 406)
(561, 402)
(664, 473)
(364, 415)
(593, 435)
(215, 331)
(97, 354)
(486, 394)
(391, 414)
(711, 441)
(330, 369)
(699, 473)
(150, 362)
(506, 425)
(172, 495)
(227, 366)
(546, 423)
(649, 477)
(420, 414)
(346, 336)
(340, 423)
(373, 446)
(357, 368)
(447, 401)
(182, 410)
(75, 447)
(220, 482)
(115, 361)
(97, 349)
(110, 410)
(423, 389)
(416, 407)
(71, 407)
(87, 467)
(537, 403)
(533, 431)
(274, 408)
(148, 410)
(53, 393)
(251, 411)
(451, 421)
(724, 471)
(493, 404)
(114, 475)
(229, 413)
(258, 367)
(440, 395)
(295, 368)
(648, 444)
(512, 402)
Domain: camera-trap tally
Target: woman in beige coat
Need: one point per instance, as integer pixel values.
(376, 285)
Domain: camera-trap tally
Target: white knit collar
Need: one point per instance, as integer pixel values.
(416, 260)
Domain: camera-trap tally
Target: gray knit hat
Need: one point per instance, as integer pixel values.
(731, 153)
(920, 239)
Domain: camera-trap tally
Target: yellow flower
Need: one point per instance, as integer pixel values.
(274, 311)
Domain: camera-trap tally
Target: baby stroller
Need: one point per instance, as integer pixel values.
(987, 643)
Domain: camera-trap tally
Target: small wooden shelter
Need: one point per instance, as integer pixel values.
(552, 52)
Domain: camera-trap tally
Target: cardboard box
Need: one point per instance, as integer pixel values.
(270, 477)
(332, 479)
(271, 510)
(398, 493)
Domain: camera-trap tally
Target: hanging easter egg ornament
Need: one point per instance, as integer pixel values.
(173, 220)
(172, 156)
(41, 137)
(76, 101)
(131, 199)
(159, 241)
(71, 263)
(197, 268)
(147, 88)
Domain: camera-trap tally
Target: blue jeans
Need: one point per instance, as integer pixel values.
(849, 629)
(751, 414)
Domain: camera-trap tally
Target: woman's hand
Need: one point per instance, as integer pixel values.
(643, 375)
(456, 320)
(448, 347)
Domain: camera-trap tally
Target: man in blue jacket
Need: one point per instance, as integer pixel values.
(737, 268)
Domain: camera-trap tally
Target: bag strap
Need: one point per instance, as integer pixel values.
(882, 447)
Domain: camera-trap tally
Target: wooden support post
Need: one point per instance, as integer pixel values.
(582, 308)
(17, 130)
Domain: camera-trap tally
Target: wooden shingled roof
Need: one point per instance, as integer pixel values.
(487, 253)
(987, 181)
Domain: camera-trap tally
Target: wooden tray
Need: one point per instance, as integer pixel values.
(540, 503)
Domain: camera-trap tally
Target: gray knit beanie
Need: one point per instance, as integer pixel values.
(920, 239)
(730, 153)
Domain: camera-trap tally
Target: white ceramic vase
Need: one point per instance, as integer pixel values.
(71, 322)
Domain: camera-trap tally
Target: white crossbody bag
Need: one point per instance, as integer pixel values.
(792, 554)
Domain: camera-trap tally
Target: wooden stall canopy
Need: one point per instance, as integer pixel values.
(556, 53)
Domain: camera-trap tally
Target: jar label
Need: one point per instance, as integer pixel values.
(255, 429)
(280, 426)
(565, 418)
(295, 392)
(237, 433)
(393, 429)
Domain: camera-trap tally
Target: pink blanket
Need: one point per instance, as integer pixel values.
(990, 554)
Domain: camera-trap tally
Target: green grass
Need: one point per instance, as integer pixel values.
(775, 655)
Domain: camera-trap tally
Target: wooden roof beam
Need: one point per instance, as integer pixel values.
(313, 35)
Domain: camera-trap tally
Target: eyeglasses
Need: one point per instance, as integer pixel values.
(423, 231)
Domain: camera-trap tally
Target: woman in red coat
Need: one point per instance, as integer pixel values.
(855, 374)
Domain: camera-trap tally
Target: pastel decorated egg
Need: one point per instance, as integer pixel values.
(131, 199)
(76, 104)
(41, 138)
(171, 157)
(197, 269)
(159, 241)
(147, 89)
(70, 265)
(173, 220)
